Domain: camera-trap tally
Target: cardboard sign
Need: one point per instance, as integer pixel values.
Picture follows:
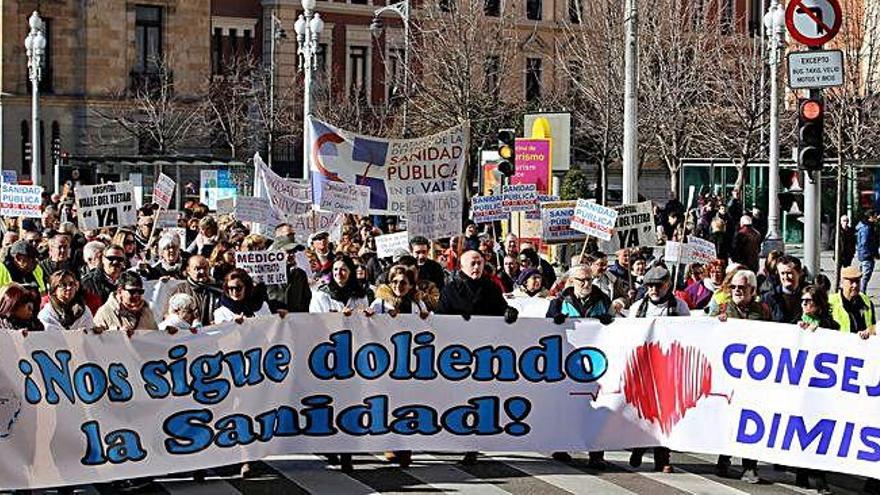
(10, 177)
(535, 214)
(486, 209)
(268, 267)
(593, 219)
(391, 244)
(163, 191)
(434, 215)
(519, 197)
(20, 201)
(105, 205)
(309, 223)
(345, 198)
(249, 209)
(634, 227)
(556, 223)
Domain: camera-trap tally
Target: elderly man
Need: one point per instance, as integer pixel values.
(659, 299)
(93, 253)
(319, 242)
(850, 308)
(200, 286)
(59, 256)
(103, 282)
(183, 314)
(126, 309)
(784, 298)
(743, 305)
(20, 266)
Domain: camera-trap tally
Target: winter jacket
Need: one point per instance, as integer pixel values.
(866, 241)
(110, 317)
(784, 308)
(52, 321)
(386, 301)
(432, 271)
(224, 314)
(464, 295)
(746, 248)
(294, 296)
(597, 304)
(207, 298)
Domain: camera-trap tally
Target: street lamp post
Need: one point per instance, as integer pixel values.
(308, 27)
(631, 105)
(35, 45)
(377, 27)
(774, 28)
(277, 33)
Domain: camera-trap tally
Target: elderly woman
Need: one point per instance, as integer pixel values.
(530, 284)
(183, 314)
(92, 253)
(399, 294)
(239, 299)
(66, 308)
(170, 262)
(17, 308)
(342, 292)
(699, 294)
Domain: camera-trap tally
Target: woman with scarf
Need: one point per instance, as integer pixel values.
(342, 293)
(171, 262)
(66, 308)
(17, 308)
(399, 295)
(239, 299)
(530, 284)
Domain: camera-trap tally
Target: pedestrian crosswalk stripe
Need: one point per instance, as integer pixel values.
(559, 474)
(681, 479)
(442, 473)
(312, 474)
(207, 487)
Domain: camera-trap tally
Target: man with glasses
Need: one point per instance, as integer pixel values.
(742, 306)
(850, 308)
(201, 288)
(580, 299)
(59, 256)
(126, 309)
(102, 282)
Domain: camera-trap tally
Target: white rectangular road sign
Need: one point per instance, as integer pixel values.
(815, 69)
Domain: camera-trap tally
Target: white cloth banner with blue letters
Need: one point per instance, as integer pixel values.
(80, 409)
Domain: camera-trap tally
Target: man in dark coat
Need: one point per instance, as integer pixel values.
(784, 298)
(200, 287)
(420, 247)
(746, 248)
(295, 295)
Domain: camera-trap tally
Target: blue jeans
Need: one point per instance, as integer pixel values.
(867, 268)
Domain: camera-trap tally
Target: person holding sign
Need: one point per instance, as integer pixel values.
(342, 293)
(238, 300)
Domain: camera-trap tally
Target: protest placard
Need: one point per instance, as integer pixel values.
(593, 219)
(9, 177)
(519, 197)
(634, 227)
(345, 198)
(434, 215)
(105, 205)
(702, 251)
(696, 250)
(268, 267)
(249, 209)
(20, 201)
(535, 213)
(390, 244)
(556, 222)
(485, 209)
(167, 218)
(318, 221)
(163, 191)
(225, 206)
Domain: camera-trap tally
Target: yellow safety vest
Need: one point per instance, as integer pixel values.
(6, 277)
(835, 301)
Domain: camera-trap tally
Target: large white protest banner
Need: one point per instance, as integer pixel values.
(20, 201)
(593, 219)
(288, 196)
(486, 209)
(105, 205)
(391, 244)
(249, 209)
(556, 222)
(434, 215)
(345, 198)
(394, 169)
(163, 191)
(634, 227)
(268, 267)
(79, 408)
(519, 197)
(319, 221)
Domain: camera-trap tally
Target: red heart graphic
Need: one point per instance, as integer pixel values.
(662, 386)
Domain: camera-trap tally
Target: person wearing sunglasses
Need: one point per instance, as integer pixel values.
(126, 309)
(66, 309)
(103, 281)
(743, 305)
(239, 299)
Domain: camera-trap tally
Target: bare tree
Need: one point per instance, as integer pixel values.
(228, 103)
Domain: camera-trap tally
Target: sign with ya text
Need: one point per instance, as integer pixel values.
(634, 227)
(394, 169)
(105, 205)
(593, 219)
(20, 201)
(103, 407)
(434, 215)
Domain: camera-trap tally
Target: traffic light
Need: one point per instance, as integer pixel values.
(507, 152)
(811, 117)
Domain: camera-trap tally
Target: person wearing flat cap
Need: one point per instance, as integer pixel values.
(850, 308)
(658, 299)
(21, 266)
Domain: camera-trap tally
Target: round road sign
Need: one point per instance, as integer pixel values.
(813, 22)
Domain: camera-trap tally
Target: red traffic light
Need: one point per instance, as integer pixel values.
(811, 109)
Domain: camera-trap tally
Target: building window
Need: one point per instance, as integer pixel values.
(493, 69)
(357, 70)
(248, 42)
(574, 11)
(533, 79)
(322, 57)
(534, 10)
(233, 43)
(492, 8)
(396, 86)
(25, 148)
(148, 39)
(359, 2)
(217, 52)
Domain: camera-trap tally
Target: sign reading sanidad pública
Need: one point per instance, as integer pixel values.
(815, 69)
(21, 201)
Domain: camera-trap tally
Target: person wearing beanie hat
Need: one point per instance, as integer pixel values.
(530, 284)
(21, 266)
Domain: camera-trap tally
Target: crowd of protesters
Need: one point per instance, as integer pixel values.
(54, 276)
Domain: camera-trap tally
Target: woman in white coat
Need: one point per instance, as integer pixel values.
(65, 309)
(239, 299)
(399, 295)
(342, 293)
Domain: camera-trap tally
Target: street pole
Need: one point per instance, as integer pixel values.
(308, 28)
(812, 220)
(774, 22)
(35, 46)
(377, 27)
(271, 89)
(631, 106)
